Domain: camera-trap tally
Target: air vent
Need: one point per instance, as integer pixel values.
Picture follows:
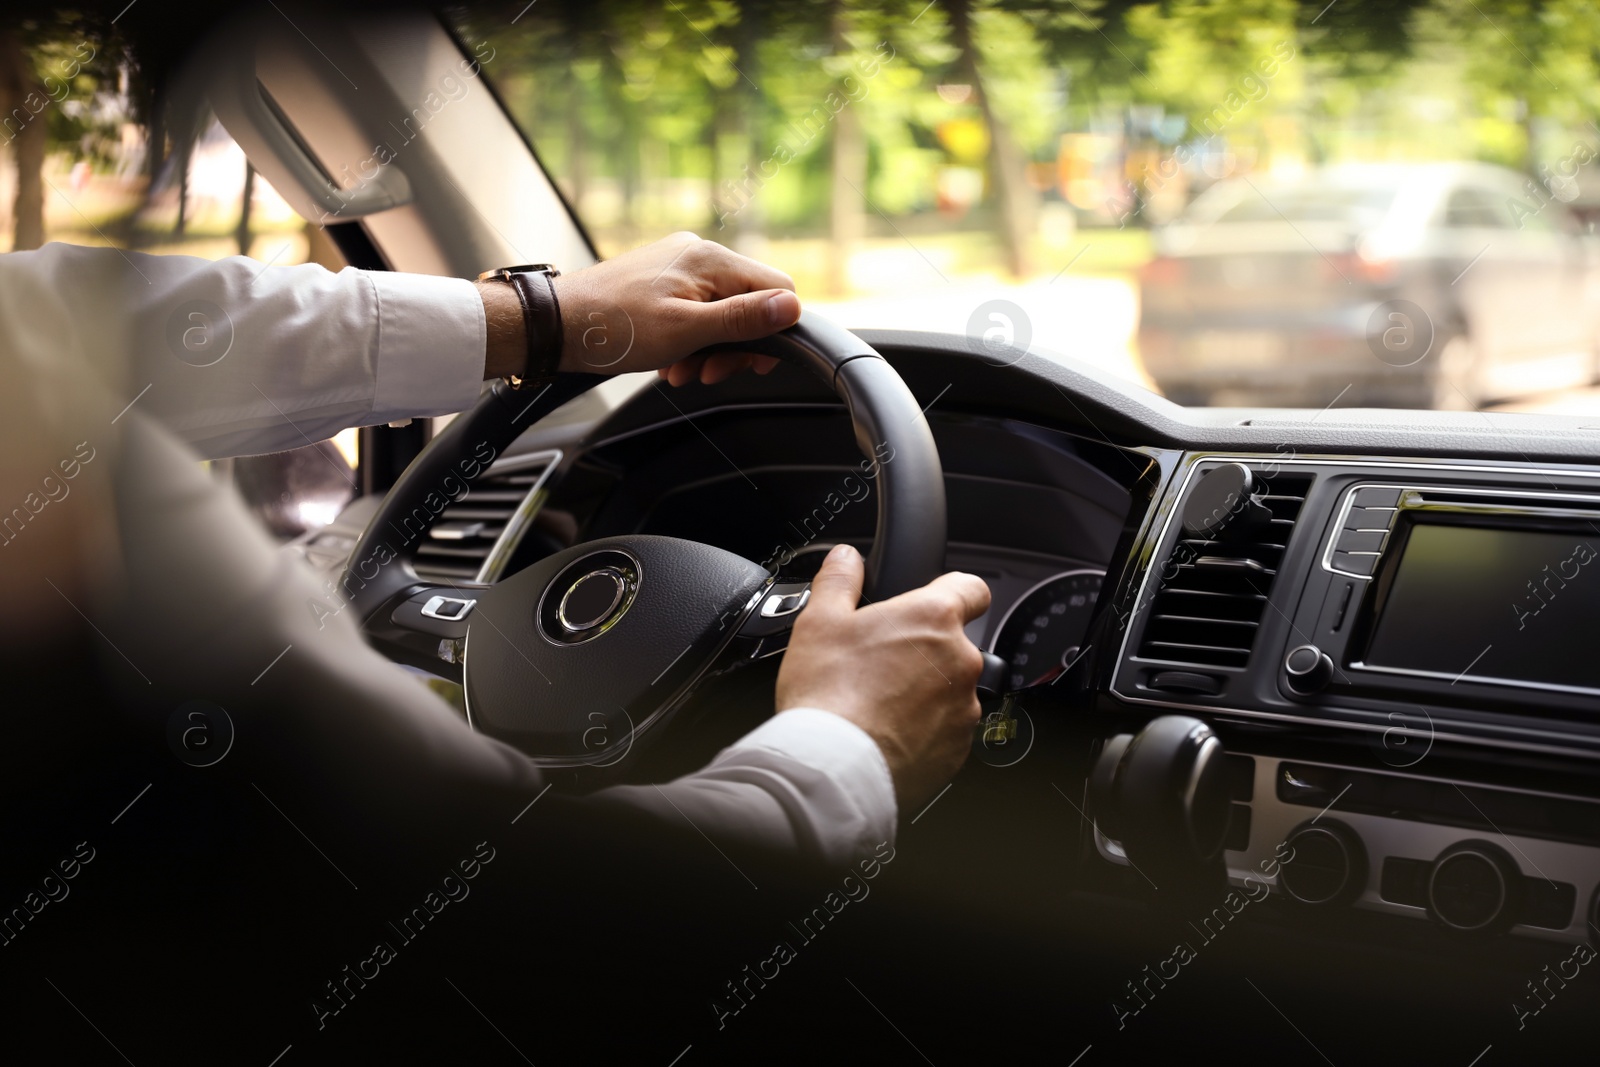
(1213, 593)
(473, 538)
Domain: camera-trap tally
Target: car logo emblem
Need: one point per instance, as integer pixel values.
(592, 600)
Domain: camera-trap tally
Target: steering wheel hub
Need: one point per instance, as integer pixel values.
(568, 658)
(589, 597)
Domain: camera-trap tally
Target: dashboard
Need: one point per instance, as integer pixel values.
(1376, 624)
(1388, 632)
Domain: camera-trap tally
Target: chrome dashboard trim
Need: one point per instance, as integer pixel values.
(1481, 679)
(494, 564)
(1343, 511)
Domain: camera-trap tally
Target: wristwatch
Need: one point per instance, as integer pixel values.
(534, 284)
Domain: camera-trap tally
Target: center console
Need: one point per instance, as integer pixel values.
(1445, 616)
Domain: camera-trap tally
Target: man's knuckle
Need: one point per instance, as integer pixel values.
(735, 316)
(968, 661)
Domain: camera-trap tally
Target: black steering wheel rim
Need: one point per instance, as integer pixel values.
(685, 586)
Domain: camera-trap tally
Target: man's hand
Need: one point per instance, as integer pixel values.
(902, 670)
(650, 309)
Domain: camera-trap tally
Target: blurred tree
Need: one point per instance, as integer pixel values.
(847, 199)
(22, 100)
(61, 74)
(1016, 57)
(1007, 163)
(242, 234)
(1223, 66)
(1525, 61)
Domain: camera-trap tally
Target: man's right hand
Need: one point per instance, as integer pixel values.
(903, 670)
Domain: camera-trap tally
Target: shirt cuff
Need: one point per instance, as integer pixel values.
(431, 339)
(844, 751)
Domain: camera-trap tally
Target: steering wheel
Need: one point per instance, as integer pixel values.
(606, 639)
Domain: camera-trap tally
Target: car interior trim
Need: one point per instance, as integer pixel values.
(505, 546)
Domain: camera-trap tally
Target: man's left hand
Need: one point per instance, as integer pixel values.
(652, 309)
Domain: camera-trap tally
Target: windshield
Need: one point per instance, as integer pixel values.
(1265, 204)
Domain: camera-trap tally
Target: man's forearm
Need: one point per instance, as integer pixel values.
(506, 348)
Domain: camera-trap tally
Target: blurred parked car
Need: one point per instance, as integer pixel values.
(1439, 285)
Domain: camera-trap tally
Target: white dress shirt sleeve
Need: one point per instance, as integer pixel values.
(238, 358)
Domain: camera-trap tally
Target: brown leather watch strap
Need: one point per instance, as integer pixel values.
(541, 317)
(534, 285)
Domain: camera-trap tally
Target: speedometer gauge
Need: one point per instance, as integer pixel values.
(1042, 634)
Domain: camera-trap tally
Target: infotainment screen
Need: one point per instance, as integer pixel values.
(1482, 602)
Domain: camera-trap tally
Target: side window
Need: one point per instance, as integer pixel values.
(1476, 209)
(86, 159)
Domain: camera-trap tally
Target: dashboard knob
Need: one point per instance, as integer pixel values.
(1474, 887)
(1308, 667)
(1329, 867)
(1163, 792)
(1103, 780)
(1218, 498)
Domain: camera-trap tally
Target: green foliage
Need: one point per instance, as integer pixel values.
(644, 110)
(1209, 60)
(718, 85)
(76, 72)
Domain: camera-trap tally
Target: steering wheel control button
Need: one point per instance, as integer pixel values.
(588, 597)
(780, 605)
(1309, 669)
(765, 627)
(592, 600)
(1329, 867)
(1474, 887)
(448, 608)
(440, 613)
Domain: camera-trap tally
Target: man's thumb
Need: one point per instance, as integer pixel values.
(745, 317)
(837, 586)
